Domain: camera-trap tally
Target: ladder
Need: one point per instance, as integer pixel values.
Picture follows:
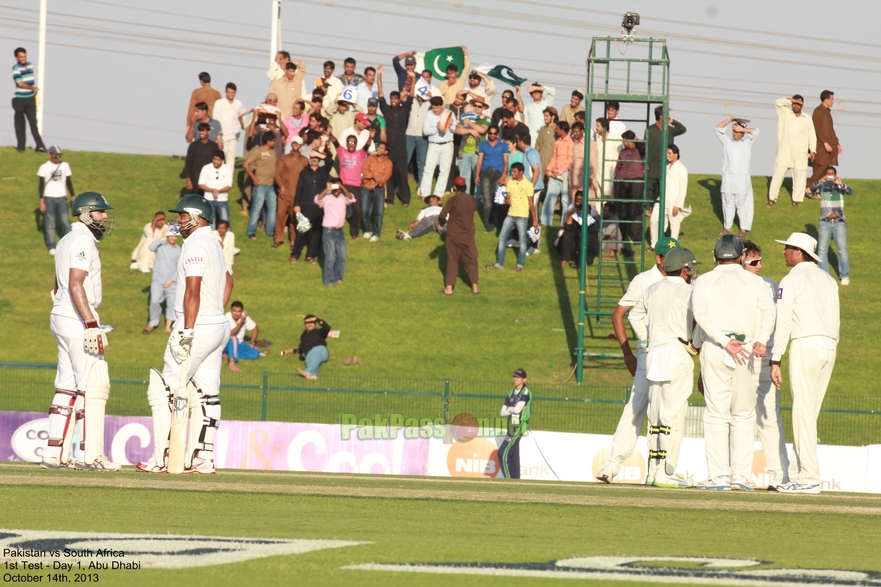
(627, 70)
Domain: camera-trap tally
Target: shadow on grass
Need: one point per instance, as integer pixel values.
(714, 187)
(39, 220)
(440, 254)
(568, 310)
(786, 186)
(832, 256)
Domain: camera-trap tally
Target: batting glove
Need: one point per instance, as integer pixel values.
(94, 339)
(181, 343)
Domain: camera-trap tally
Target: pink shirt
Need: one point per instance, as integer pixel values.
(334, 209)
(350, 165)
(562, 158)
(295, 126)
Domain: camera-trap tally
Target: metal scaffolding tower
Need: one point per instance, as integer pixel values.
(642, 77)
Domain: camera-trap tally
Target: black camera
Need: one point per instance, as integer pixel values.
(631, 19)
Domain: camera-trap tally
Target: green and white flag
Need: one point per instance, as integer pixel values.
(437, 60)
(503, 73)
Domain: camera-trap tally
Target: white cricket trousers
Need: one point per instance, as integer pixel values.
(742, 206)
(668, 408)
(674, 222)
(730, 415)
(770, 422)
(811, 360)
(74, 363)
(209, 340)
(438, 154)
(799, 180)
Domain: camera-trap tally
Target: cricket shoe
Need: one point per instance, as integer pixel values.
(739, 482)
(151, 467)
(720, 483)
(201, 466)
(101, 463)
(54, 463)
(794, 487)
(671, 482)
(604, 477)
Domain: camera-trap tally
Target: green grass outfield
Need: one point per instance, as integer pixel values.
(421, 520)
(389, 311)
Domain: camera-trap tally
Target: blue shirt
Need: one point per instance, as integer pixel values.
(216, 130)
(530, 158)
(23, 73)
(165, 265)
(493, 157)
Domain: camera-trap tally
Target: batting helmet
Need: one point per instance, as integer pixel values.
(196, 206)
(88, 201)
(678, 258)
(729, 246)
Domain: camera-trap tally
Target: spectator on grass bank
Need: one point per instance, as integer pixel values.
(164, 284)
(276, 66)
(457, 218)
(492, 171)
(416, 141)
(569, 110)
(542, 98)
(631, 170)
(297, 121)
(426, 221)
(832, 226)
(142, 257)
(271, 127)
(312, 180)
(397, 113)
(230, 112)
(54, 184)
(24, 102)
(517, 408)
(334, 200)
(558, 174)
(204, 94)
(215, 181)
(199, 154)
(376, 171)
(547, 136)
(227, 240)
(290, 88)
(737, 187)
(313, 345)
(521, 210)
(287, 175)
(260, 167)
(350, 161)
(674, 202)
(200, 116)
(236, 348)
(655, 152)
(349, 77)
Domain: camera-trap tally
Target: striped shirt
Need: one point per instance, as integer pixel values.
(831, 198)
(23, 73)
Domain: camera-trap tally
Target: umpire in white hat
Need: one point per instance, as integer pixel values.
(735, 310)
(808, 316)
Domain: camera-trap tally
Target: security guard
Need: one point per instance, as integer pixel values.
(517, 408)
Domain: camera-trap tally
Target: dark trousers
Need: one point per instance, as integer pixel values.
(509, 456)
(461, 251)
(400, 181)
(569, 245)
(630, 211)
(489, 179)
(26, 108)
(311, 240)
(356, 208)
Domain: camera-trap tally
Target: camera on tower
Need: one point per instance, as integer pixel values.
(631, 19)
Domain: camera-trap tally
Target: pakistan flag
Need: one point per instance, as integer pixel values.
(437, 60)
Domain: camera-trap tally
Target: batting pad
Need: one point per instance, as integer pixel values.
(97, 393)
(159, 398)
(204, 420)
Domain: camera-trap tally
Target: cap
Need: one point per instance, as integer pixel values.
(579, 93)
(474, 75)
(728, 246)
(409, 60)
(460, 181)
(297, 140)
(665, 245)
(677, 259)
(362, 118)
(802, 241)
(552, 110)
(372, 102)
(54, 150)
(519, 373)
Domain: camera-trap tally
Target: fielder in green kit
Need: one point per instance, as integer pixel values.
(517, 408)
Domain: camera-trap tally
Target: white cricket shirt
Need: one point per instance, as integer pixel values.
(202, 257)
(77, 250)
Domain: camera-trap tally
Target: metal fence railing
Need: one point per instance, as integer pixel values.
(286, 397)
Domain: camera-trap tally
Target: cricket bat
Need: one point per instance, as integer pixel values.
(177, 444)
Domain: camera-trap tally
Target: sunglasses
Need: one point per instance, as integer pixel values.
(753, 262)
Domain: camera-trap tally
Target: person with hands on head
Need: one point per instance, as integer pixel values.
(313, 346)
(796, 144)
(737, 187)
(82, 381)
(333, 200)
(517, 408)
(808, 316)
(634, 414)
(455, 81)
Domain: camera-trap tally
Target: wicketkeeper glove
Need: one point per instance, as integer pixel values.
(181, 343)
(94, 339)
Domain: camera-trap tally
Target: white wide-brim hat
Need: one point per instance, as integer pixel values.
(802, 241)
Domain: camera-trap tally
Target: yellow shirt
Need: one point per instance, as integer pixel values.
(519, 192)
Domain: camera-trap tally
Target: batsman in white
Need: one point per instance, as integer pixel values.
(735, 311)
(808, 316)
(624, 440)
(768, 418)
(201, 331)
(82, 383)
(663, 317)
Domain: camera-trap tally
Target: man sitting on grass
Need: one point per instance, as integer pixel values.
(426, 221)
(313, 346)
(239, 323)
